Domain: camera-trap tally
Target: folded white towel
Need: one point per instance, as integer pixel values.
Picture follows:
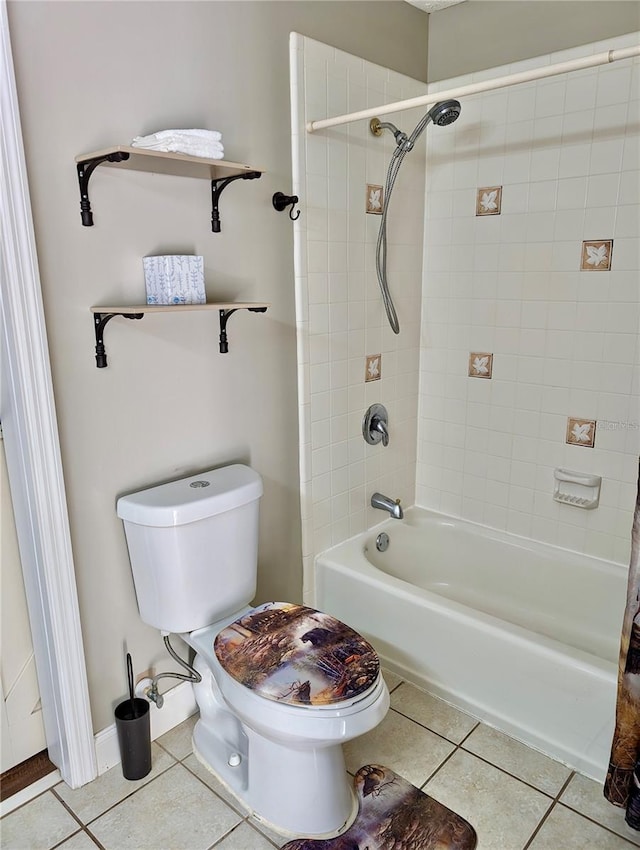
(204, 151)
(173, 144)
(163, 144)
(209, 135)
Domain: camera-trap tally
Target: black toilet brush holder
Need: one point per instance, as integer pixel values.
(134, 732)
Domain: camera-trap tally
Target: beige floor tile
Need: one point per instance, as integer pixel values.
(110, 788)
(178, 740)
(567, 830)
(80, 841)
(176, 810)
(196, 767)
(392, 679)
(585, 796)
(274, 837)
(38, 825)
(538, 770)
(399, 743)
(503, 811)
(432, 712)
(244, 837)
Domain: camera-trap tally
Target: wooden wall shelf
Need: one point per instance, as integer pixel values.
(219, 171)
(102, 315)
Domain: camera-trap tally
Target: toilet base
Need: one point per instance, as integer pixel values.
(288, 808)
(295, 789)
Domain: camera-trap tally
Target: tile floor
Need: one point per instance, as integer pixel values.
(516, 798)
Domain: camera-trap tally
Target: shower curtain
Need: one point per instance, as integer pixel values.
(622, 785)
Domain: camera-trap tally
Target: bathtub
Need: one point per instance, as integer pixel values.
(522, 635)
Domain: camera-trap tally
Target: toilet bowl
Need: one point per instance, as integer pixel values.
(282, 686)
(283, 762)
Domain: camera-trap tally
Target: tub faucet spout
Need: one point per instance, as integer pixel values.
(386, 504)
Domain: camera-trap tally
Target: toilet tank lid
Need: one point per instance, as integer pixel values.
(190, 499)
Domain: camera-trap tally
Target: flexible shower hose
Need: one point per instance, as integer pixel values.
(381, 245)
(405, 144)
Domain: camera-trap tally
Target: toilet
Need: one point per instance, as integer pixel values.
(283, 686)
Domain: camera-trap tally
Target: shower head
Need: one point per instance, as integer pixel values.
(442, 113)
(445, 112)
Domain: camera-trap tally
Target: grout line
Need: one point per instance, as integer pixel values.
(440, 766)
(66, 838)
(110, 808)
(469, 734)
(94, 839)
(239, 810)
(229, 832)
(26, 802)
(539, 825)
(598, 823)
(549, 810)
(68, 808)
(566, 785)
(433, 731)
(219, 841)
(512, 775)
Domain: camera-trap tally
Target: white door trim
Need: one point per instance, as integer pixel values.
(33, 458)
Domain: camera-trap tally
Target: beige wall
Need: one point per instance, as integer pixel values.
(477, 34)
(94, 74)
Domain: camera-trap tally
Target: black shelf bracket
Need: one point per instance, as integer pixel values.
(217, 188)
(100, 321)
(224, 318)
(85, 170)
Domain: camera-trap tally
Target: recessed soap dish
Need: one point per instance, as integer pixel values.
(577, 488)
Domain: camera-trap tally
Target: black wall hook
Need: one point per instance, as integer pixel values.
(281, 202)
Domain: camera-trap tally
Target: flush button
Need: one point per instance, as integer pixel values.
(199, 484)
(234, 759)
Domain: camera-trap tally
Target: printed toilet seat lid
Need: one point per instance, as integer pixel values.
(297, 655)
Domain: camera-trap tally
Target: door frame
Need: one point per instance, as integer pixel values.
(33, 458)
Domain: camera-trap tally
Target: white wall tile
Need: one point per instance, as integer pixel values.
(565, 342)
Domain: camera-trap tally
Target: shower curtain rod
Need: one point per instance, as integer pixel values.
(477, 88)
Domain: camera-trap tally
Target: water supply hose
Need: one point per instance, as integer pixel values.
(194, 677)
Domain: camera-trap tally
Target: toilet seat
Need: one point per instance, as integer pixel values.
(295, 655)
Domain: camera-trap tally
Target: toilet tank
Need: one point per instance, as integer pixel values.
(193, 547)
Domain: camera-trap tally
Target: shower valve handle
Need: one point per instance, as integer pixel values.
(375, 425)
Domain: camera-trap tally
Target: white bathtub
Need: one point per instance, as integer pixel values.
(520, 634)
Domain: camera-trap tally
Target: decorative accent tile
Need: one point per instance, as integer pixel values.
(596, 255)
(373, 370)
(489, 200)
(581, 432)
(375, 199)
(480, 364)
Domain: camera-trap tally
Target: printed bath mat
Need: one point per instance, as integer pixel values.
(294, 654)
(395, 814)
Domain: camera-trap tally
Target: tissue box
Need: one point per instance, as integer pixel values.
(174, 279)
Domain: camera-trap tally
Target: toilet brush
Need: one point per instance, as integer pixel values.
(134, 732)
(130, 680)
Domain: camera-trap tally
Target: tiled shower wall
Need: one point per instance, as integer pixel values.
(340, 320)
(515, 281)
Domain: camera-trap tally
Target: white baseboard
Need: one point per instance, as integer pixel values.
(179, 704)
